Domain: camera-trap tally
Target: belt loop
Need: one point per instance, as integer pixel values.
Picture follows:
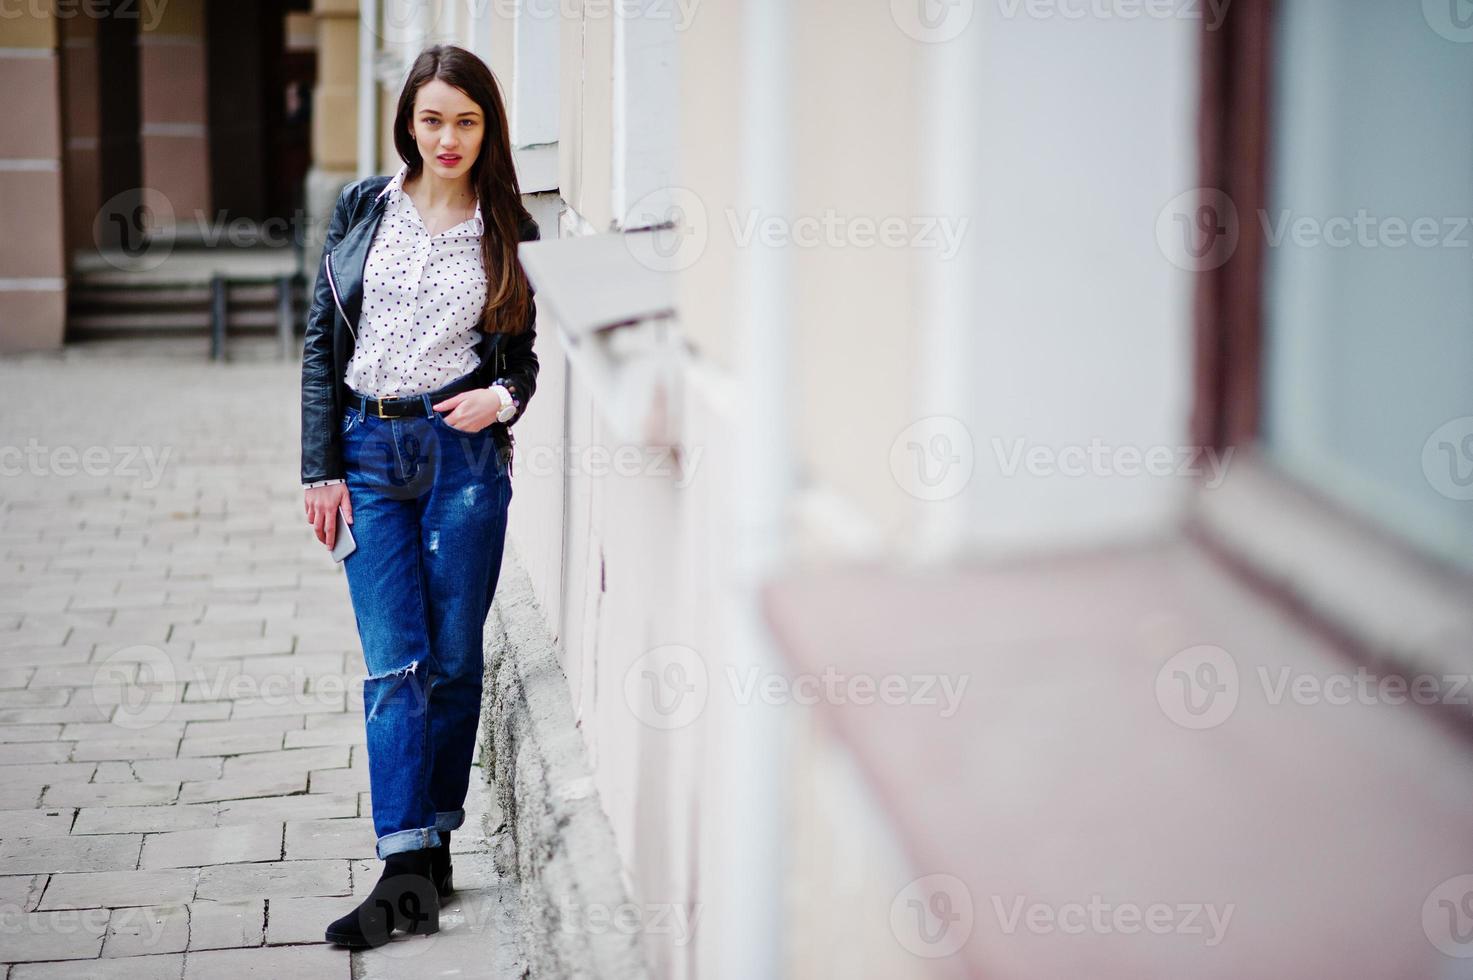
(362, 405)
(429, 407)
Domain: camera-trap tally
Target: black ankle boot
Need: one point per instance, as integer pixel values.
(404, 899)
(440, 866)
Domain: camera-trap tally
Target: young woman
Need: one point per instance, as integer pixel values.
(418, 356)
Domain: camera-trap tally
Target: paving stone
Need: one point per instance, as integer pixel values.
(271, 963)
(229, 612)
(227, 845)
(305, 806)
(228, 745)
(32, 855)
(49, 772)
(15, 696)
(52, 822)
(337, 838)
(143, 819)
(290, 760)
(16, 796)
(226, 925)
(167, 967)
(82, 674)
(65, 935)
(303, 920)
(272, 879)
(329, 736)
(320, 703)
(30, 733)
(270, 782)
(338, 781)
(113, 889)
(21, 892)
(161, 770)
(219, 729)
(241, 646)
(105, 731)
(147, 930)
(125, 747)
(215, 631)
(110, 794)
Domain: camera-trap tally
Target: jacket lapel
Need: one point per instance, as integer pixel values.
(351, 255)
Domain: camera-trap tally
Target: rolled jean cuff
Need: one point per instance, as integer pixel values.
(407, 840)
(449, 819)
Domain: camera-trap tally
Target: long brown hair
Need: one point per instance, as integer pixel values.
(493, 175)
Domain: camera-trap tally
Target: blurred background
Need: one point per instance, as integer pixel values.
(999, 499)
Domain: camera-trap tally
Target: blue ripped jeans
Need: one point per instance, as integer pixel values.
(429, 519)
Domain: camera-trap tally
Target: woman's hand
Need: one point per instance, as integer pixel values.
(322, 507)
(472, 410)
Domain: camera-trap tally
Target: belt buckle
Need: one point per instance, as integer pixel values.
(378, 409)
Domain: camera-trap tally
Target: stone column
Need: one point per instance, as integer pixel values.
(173, 96)
(334, 114)
(32, 256)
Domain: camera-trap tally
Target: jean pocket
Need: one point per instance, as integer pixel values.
(439, 419)
(351, 417)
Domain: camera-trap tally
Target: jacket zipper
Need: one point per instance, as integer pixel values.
(327, 260)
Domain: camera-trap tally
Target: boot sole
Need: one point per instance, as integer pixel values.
(355, 942)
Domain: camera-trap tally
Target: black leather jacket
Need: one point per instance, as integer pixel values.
(337, 300)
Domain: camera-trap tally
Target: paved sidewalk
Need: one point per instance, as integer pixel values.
(183, 790)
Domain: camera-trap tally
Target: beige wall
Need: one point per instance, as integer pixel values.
(32, 265)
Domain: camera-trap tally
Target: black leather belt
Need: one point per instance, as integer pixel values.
(409, 405)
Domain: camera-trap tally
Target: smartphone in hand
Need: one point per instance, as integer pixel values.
(343, 542)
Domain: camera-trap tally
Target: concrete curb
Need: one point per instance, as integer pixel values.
(557, 842)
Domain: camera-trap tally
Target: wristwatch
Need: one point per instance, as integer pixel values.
(508, 404)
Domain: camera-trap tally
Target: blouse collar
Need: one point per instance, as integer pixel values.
(394, 189)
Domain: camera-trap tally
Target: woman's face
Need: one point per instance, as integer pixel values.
(448, 126)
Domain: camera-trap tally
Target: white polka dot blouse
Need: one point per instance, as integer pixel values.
(422, 300)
